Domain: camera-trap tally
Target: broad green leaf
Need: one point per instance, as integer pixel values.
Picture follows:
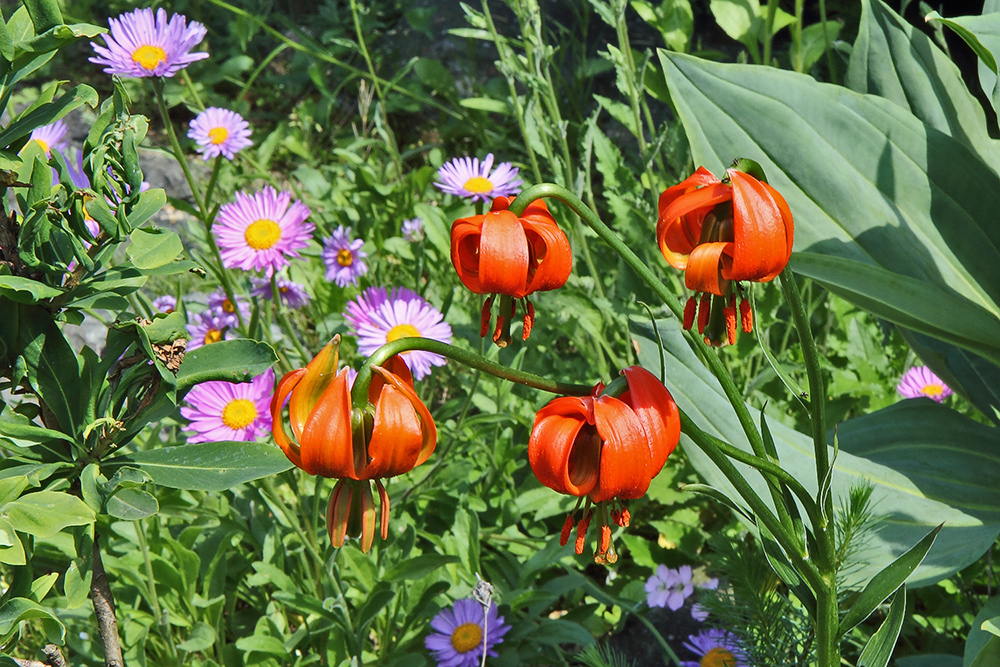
(16, 425)
(44, 14)
(879, 648)
(466, 530)
(886, 582)
(928, 465)
(978, 638)
(989, 655)
(982, 34)
(132, 505)
(201, 637)
(152, 247)
(876, 185)
(485, 104)
(45, 513)
(53, 368)
(673, 18)
(26, 290)
(894, 60)
(230, 360)
(925, 308)
(76, 586)
(149, 203)
(11, 549)
(259, 643)
(6, 42)
(209, 466)
(16, 610)
(815, 39)
(375, 601)
(48, 113)
(992, 626)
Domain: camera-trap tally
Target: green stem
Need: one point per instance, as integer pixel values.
(162, 624)
(359, 393)
(629, 75)
(828, 626)
(772, 9)
(817, 409)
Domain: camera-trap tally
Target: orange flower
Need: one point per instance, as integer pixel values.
(605, 448)
(721, 232)
(500, 253)
(390, 436)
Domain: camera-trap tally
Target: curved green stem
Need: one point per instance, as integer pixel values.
(359, 394)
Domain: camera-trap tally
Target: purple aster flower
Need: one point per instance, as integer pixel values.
(209, 327)
(74, 165)
(716, 648)
(165, 304)
(458, 637)
(230, 410)
(140, 45)
(357, 311)
(50, 136)
(399, 314)
(343, 257)
(921, 381)
(292, 294)
(262, 231)
(219, 303)
(220, 132)
(468, 177)
(668, 587)
(413, 229)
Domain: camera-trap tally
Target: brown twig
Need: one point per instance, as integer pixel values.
(104, 607)
(53, 658)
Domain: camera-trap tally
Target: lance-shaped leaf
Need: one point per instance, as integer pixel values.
(886, 582)
(878, 650)
(208, 466)
(865, 179)
(982, 34)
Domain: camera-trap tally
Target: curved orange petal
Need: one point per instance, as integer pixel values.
(657, 411)
(395, 365)
(761, 244)
(625, 458)
(285, 386)
(560, 456)
(319, 373)
(428, 428)
(551, 259)
(465, 236)
(786, 219)
(326, 444)
(396, 440)
(679, 226)
(503, 255)
(700, 178)
(707, 266)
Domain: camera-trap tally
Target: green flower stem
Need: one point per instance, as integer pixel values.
(763, 513)
(210, 190)
(828, 625)
(206, 221)
(817, 409)
(359, 394)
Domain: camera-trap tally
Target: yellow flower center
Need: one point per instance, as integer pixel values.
(402, 331)
(262, 234)
(466, 637)
(718, 657)
(345, 257)
(44, 145)
(213, 336)
(217, 135)
(149, 56)
(239, 413)
(228, 306)
(478, 184)
(933, 389)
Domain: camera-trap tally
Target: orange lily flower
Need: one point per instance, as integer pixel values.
(390, 436)
(721, 232)
(605, 448)
(500, 253)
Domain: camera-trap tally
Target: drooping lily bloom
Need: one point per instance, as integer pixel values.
(390, 436)
(606, 447)
(720, 233)
(501, 253)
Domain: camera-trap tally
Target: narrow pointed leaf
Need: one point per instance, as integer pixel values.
(209, 466)
(886, 582)
(879, 648)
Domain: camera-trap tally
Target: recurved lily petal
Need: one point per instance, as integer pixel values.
(708, 264)
(465, 235)
(564, 450)
(428, 428)
(625, 456)
(503, 255)
(319, 373)
(551, 258)
(657, 412)
(285, 386)
(700, 178)
(759, 230)
(678, 228)
(397, 438)
(326, 444)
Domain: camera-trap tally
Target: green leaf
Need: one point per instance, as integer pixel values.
(876, 185)
(230, 360)
(892, 59)
(44, 14)
(417, 567)
(928, 465)
(466, 529)
(45, 513)
(259, 643)
(209, 466)
(879, 648)
(26, 290)
(989, 656)
(929, 660)
(132, 505)
(16, 425)
(992, 626)
(485, 104)
(48, 113)
(76, 586)
(201, 637)
(982, 34)
(6, 42)
(152, 247)
(978, 640)
(376, 600)
(11, 549)
(21, 609)
(150, 202)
